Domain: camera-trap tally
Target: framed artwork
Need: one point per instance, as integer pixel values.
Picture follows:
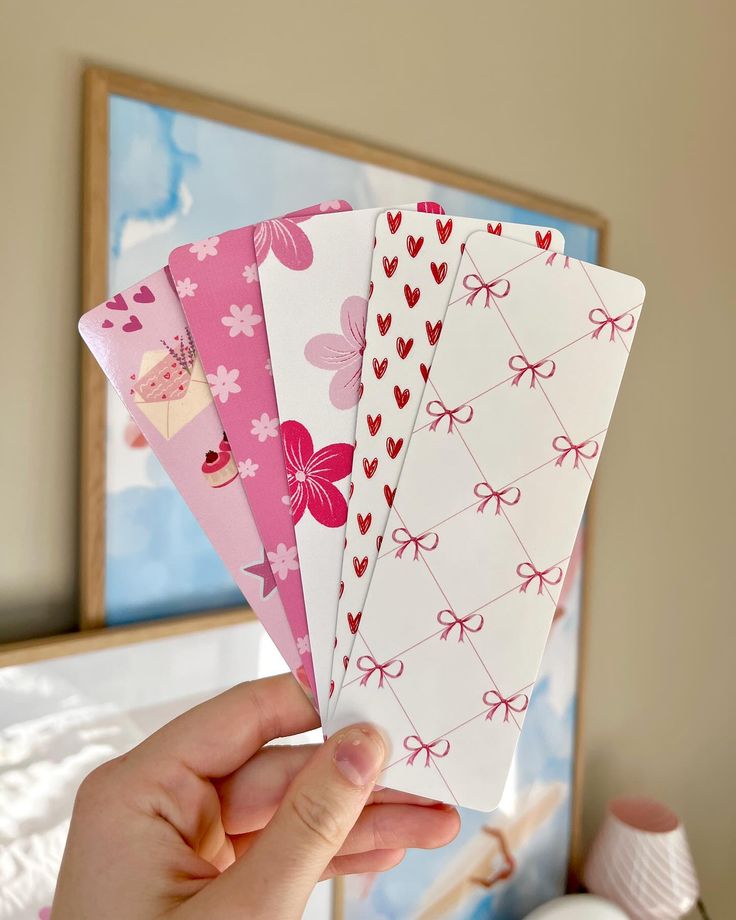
(164, 167)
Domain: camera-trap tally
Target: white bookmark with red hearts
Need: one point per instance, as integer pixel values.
(315, 320)
(486, 514)
(414, 264)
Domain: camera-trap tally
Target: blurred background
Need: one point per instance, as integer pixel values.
(624, 108)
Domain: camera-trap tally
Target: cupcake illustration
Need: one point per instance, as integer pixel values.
(219, 467)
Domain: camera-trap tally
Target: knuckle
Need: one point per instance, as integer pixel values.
(318, 817)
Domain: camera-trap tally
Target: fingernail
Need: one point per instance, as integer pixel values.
(359, 756)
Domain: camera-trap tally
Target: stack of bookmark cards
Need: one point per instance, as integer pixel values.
(387, 422)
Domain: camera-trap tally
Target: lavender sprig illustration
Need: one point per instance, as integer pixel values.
(185, 354)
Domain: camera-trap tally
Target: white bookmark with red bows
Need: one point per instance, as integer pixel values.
(414, 265)
(485, 515)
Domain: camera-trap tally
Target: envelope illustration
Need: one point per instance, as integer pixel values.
(170, 391)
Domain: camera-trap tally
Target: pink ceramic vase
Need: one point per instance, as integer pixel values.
(641, 861)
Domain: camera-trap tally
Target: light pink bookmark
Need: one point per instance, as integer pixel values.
(141, 340)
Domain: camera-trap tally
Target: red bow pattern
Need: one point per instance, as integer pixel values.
(486, 492)
(544, 369)
(624, 322)
(438, 748)
(473, 623)
(475, 284)
(588, 450)
(369, 665)
(527, 571)
(402, 536)
(506, 702)
(438, 410)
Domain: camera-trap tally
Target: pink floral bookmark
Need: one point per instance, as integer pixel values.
(218, 287)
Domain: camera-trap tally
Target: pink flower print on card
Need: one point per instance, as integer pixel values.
(342, 354)
(247, 469)
(285, 238)
(264, 427)
(283, 561)
(311, 475)
(223, 383)
(205, 248)
(241, 320)
(186, 288)
(250, 273)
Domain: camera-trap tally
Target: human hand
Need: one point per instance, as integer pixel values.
(201, 821)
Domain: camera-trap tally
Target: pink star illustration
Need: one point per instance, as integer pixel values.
(263, 571)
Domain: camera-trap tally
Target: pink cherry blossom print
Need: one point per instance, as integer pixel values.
(186, 288)
(241, 320)
(334, 205)
(311, 475)
(342, 354)
(285, 238)
(303, 646)
(223, 383)
(283, 561)
(264, 427)
(248, 469)
(250, 273)
(205, 248)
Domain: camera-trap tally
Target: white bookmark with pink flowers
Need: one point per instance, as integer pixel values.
(486, 513)
(315, 321)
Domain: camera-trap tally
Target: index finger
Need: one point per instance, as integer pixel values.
(217, 737)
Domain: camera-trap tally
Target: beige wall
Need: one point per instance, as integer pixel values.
(625, 107)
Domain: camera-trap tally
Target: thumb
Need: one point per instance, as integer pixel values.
(275, 878)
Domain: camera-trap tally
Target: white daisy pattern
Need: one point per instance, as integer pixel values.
(283, 561)
(241, 319)
(264, 427)
(303, 646)
(224, 382)
(205, 248)
(248, 469)
(186, 288)
(250, 273)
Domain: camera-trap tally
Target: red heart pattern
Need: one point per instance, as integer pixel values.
(433, 332)
(117, 303)
(384, 323)
(379, 367)
(439, 272)
(496, 231)
(412, 295)
(379, 540)
(543, 240)
(108, 324)
(389, 495)
(403, 346)
(414, 245)
(401, 396)
(374, 423)
(444, 230)
(364, 522)
(354, 622)
(393, 447)
(360, 565)
(370, 467)
(390, 266)
(394, 221)
(424, 370)
(345, 662)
